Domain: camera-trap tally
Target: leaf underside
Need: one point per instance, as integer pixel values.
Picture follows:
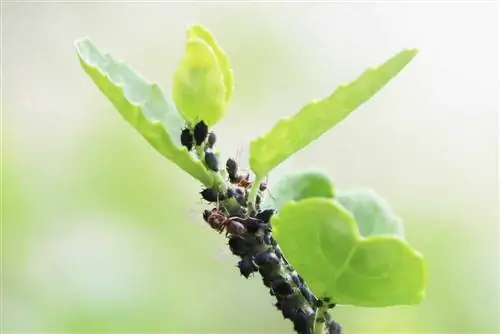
(291, 135)
(372, 213)
(297, 186)
(143, 105)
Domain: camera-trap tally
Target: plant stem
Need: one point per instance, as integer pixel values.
(252, 195)
(259, 252)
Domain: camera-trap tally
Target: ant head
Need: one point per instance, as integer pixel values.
(206, 215)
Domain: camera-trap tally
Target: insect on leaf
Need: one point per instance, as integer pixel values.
(291, 135)
(321, 241)
(143, 105)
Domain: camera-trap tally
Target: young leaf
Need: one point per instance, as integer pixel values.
(297, 186)
(143, 105)
(321, 240)
(203, 33)
(371, 211)
(203, 81)
(291, 135)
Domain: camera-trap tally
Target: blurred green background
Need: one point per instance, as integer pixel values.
(102, 234)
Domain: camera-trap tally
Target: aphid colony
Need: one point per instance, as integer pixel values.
(250, 234)
(200, 137)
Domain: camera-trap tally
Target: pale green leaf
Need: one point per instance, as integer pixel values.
(143, 105)
(291, 135)
(297, 186)
(199, 83)
(372, 212)
(203, 33)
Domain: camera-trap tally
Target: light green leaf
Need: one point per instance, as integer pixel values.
(322, 242)
(203, 81)
(143, 105)
(297, 186)
(291, 135)
(372, 212)
(203, 33)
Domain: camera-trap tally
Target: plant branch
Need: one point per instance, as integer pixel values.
(249, 235)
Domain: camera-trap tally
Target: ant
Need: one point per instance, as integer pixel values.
(242, 180)
(218, 221)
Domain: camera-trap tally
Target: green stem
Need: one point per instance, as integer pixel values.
(319, 325)
(252, 195)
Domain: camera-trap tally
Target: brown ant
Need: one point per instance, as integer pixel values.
(242, 180)
(218, 221)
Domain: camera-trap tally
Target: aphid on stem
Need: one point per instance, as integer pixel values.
(200, 132)
(212, 195)
(187, 139)
(212, 138)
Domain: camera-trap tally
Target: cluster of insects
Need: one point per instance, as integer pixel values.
(250, 233)
(239, 184)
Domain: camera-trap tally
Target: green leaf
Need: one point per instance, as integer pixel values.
(322, 242)
(203, 80)
(372, 213)
(143, 105)
(291, 135)
(203, 33)
(297, 186)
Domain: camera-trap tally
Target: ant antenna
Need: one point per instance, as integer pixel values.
(268, 189)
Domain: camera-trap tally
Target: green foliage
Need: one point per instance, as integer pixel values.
(372, 213)
(203, 81)
(291, 135)
(297, 186)
(143, 105)
(348, 246)
(321, 240)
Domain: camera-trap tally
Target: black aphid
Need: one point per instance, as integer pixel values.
(187, 139)
(240, 196)
(282, 288)
(296, 279)
(265, 215)
(301, 322)
(231, 193)
(246, 266)
(262, 186)
(212, 138)
(331, 305)
(232, 170)
(252, 225)
(211, 161)
(237, 245)
(200, 132)
(307, 294)
(212, 195)
(288, 311)
(266, 259)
